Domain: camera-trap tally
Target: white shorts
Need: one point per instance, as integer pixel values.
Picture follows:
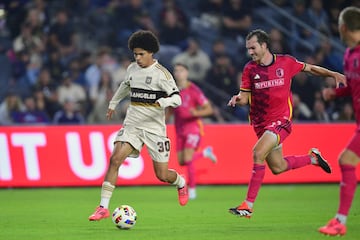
(158, 146)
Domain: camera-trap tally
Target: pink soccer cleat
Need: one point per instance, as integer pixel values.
(333, 228)
(183, 195)
(100, 213)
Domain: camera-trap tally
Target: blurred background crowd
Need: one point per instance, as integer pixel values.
(61, 61)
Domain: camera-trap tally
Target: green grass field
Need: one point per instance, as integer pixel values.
(281, 212)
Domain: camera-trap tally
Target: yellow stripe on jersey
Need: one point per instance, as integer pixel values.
(277, 139)
(141, 104)
(201, 127)
(290, 108)
(164, 70)
(249, 118)
(245, 90)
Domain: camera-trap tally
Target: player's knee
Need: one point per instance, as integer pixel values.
(348, 161)
(115, 161)
(258, 157)
(276, 170)
(348, 158)
(342, 161)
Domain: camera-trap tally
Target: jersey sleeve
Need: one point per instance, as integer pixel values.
(294, 65)
(168, 85)
(122, 91)
(245, 85)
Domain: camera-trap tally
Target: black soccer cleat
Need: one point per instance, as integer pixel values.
(242, 210)
(320, 161)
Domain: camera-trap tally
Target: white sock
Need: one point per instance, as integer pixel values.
(192, 193)
(342, 218)
(104, 202)
(106, 193)
(313, 160)
(192, 189)
(250, 204)
(179, 182)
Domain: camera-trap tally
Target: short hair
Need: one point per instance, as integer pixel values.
(350, 16)
(261, 35)
(144, 39)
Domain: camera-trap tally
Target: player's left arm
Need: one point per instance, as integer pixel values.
(202, 111)
(173, 99)
(324, 72)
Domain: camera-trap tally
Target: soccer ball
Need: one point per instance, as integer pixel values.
(124, 217)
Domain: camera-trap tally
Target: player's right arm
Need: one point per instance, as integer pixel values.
(122, 91)
(242, 98)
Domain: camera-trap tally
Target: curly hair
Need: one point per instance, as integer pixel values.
(144, 39)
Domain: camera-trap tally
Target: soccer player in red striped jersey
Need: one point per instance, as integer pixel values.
(266, 83)
(349, 29)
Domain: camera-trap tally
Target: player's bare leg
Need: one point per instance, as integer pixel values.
(120, 152)
(171, 176)
(261, 149)
(188, 156)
